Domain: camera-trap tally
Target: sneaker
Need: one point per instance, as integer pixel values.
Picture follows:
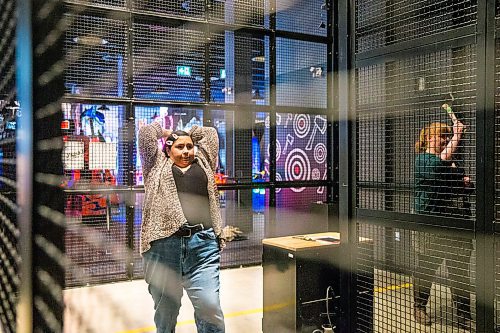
(421, 316)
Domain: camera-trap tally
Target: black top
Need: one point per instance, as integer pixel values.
(193, 194)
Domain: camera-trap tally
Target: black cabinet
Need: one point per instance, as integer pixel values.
(297, 274)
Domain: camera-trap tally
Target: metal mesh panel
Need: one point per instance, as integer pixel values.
(95, 239)
(96, 57)
(307, 17)
(168, 63)
(246, 210)
(243, 142)
(300, 73)
(394, 101)
(380, 23)
(240, 12)
(182, 8)
(294, 211)
(239, 68)
(104, 3)
(301, 147)
(95, 155)
(441, 268)
(9, 230)
(95, 145)
(223, 121)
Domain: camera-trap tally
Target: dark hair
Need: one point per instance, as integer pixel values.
(171, 139)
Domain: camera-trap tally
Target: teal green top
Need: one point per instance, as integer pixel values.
(436, 184)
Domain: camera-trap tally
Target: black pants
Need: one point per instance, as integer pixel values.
(458, 264)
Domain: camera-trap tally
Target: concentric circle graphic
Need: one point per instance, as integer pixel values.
(320, 153)
(297, 167)
(315, 174)
(301, 125)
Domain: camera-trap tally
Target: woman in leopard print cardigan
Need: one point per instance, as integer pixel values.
(181, 224)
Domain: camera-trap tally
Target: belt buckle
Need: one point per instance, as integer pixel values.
(190, 234)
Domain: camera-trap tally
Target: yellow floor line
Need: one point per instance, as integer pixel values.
(260, 310)
(191, 322)
(390, 288)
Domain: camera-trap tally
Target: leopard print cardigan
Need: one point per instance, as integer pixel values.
(162, 212)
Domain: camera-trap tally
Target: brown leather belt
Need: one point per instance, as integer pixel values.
(187, 230)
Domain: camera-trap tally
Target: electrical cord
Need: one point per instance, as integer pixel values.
(330, 327)
(327, 308)
(327, 311)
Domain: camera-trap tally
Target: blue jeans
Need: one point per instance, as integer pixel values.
(193, 263)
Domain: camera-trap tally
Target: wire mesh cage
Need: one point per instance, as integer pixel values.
(243, 139)
(307, 17)
(240, 12)
(96, 240)
(301, 73)
(295, 210)
(180, 8)
(96, 57)
(95, 146)
(381, 23)
(415, 273)
(247, 211)
(239, 68)
(402, 102)
(169, 62)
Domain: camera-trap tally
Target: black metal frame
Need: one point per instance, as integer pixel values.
(485, 161)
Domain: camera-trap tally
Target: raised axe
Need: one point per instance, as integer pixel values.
(320, 124)
(447, 107)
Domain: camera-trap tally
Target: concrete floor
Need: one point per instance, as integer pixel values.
(127, 307)
(393, 307)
